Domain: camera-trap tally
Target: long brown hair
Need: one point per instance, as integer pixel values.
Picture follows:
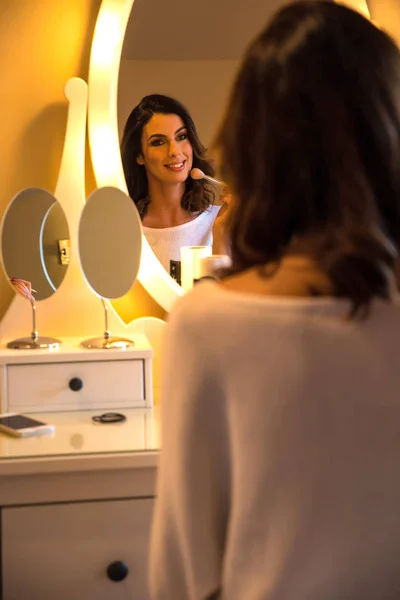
(310, 146)
(198, 195)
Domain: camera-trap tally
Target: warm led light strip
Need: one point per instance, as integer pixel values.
(103, 132)
(359, 5)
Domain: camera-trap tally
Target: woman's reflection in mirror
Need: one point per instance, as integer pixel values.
(159, 147)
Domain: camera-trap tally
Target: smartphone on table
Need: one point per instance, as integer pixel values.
(23, 426)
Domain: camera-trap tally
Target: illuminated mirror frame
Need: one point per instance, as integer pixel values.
(104, 144)
(105, 60)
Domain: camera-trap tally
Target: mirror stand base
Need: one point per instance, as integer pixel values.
(107, 343)
(35, 343)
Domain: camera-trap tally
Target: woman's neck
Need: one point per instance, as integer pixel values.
(296, 276)
(165, 208)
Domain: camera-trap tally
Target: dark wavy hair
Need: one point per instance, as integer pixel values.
(198, 194)
(310, 146)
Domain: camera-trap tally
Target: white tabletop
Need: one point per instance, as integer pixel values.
(71, 349)
(76, 434)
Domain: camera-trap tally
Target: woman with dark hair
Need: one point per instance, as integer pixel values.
(159, 148)
(281, 431)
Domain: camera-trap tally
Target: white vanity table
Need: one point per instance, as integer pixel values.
(76, 506)
(76, 502)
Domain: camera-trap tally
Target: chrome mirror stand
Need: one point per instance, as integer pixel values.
(107, 341)
(35, 341)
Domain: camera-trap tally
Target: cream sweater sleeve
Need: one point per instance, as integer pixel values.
(190, 521)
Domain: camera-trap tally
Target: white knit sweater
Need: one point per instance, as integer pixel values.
(280, 462)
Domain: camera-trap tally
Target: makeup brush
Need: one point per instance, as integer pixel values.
(198, 174)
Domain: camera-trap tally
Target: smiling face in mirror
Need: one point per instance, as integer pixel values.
(159, 147)
(167, 157)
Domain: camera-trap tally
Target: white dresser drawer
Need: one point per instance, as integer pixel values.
(64, 551)
(75, 385)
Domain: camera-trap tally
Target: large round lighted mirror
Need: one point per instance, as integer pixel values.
(189, 51)
(35, 241)
(175, 50)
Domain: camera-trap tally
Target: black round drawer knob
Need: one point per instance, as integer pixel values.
(75, 384)
(117, 571)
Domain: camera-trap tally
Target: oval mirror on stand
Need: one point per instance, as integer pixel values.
(34, 232)
(110, 245)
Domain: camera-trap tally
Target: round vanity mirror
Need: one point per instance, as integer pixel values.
(164, 144)
(35, 248)
(196, 67)
(110, 244)
(34, 233)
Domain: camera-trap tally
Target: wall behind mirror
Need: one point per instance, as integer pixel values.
(33, 130)
(187, 50)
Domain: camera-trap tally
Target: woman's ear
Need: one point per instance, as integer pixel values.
(140, 160)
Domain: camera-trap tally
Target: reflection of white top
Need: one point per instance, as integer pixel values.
(166, 243)
(280, 450)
